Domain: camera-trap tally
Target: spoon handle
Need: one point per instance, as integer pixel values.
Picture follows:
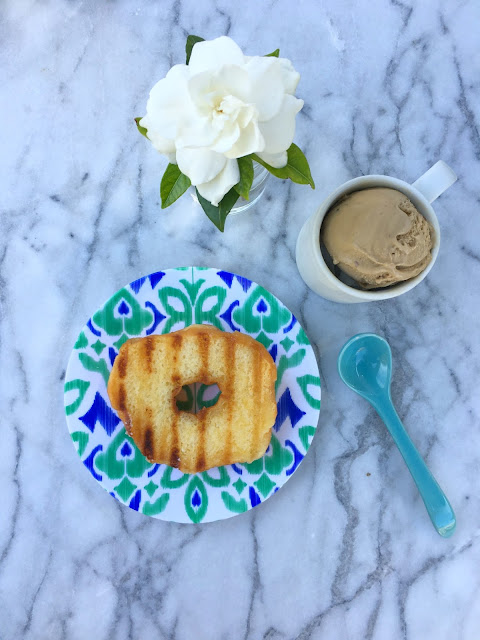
(436, 503)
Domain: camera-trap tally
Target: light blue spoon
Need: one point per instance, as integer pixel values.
(365, 365)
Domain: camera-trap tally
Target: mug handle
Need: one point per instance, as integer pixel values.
(435, 181)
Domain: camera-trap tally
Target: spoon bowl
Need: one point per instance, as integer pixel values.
(365, 365)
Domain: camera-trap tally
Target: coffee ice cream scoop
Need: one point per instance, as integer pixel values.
(377, 237)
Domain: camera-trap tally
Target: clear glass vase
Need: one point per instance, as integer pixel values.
(260, 175)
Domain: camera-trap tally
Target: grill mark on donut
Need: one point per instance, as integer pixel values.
(122, 360)
(175, 458)
(148, 445)
(121, 408)
(147, 431)
(256, 366)
(174, 444)
(200, 463)
(149, 349)
(122, 397)
(230, 354)
(203, 374)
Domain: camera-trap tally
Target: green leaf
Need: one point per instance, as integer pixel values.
(191, 42)
(142, 130)
(243, 187)
(174, 184)
(296, 169)
(219, 214)
(274, 54)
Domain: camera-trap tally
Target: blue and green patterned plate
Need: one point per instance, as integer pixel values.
(167, 301)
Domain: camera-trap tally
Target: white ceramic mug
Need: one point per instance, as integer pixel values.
(311, 264)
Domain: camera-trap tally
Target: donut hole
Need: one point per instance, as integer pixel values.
(194, 397)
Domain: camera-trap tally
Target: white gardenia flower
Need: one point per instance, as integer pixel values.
(221, 106)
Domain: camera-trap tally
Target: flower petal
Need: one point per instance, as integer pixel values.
(215, 189)
(290, 76)
(234, 81)
(161, 144)
(212, 54)
(198, 131)
(204, 91)
(280, 130)
(228, 137)
(267, 86)
(200, 165)
(169, 104)
(276, 160)
(249, 141)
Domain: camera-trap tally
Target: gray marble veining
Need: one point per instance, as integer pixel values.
(345, 550)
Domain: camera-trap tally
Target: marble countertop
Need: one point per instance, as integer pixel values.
(345, 550)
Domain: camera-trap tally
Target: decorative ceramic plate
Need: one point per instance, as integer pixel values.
(167, 301)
